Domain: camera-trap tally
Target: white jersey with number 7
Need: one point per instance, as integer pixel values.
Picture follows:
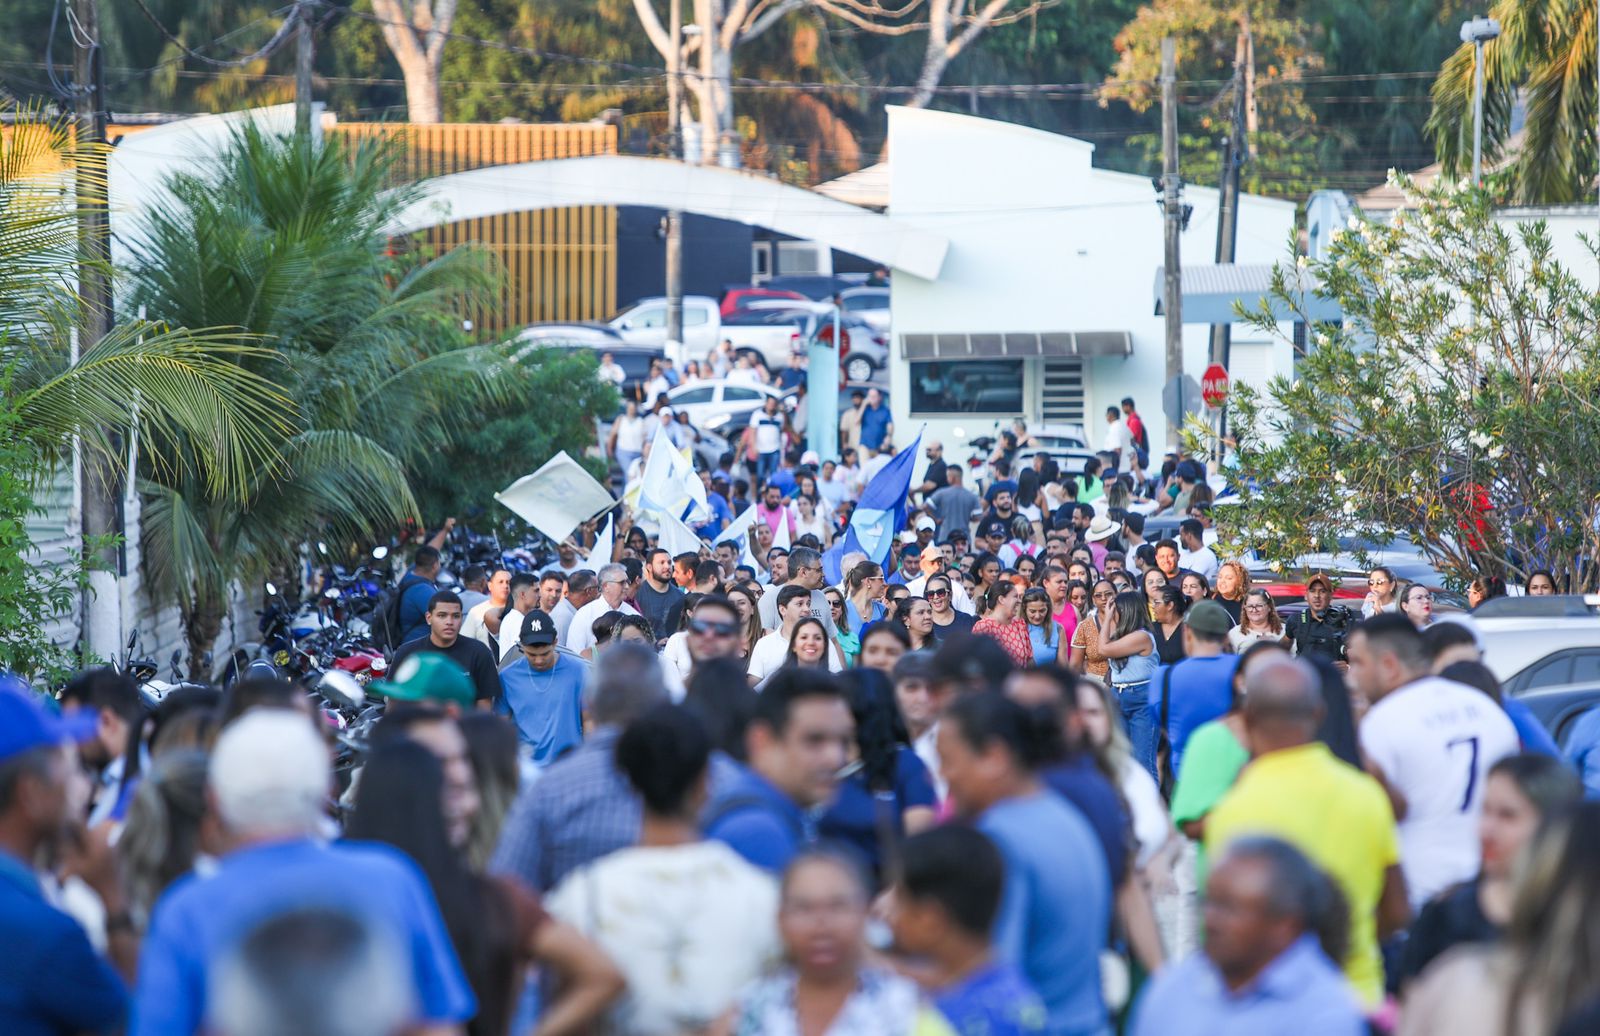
(1435, 740)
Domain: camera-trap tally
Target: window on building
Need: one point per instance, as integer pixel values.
(967, 387)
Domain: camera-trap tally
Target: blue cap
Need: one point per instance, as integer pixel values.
(26, 723)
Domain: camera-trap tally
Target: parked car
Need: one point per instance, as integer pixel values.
(739, 297)
(821, 287)
(645, 323)
(714, 404)
(1559, 706)
(634, 360)
(1533, 642)
(870, 304)
(770, 336)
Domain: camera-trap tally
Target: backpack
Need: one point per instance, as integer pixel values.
(386, 627)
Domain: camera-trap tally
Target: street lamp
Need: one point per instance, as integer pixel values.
(1477, 32)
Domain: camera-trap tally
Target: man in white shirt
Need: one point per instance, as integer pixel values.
(499, 596)
(611, 370)
(794, 604)
(523, 598)
(581, 588)
(766, 432)
(1431, 743)
(1118, 441)
(1196, 556)
(613, 585)
(805, 571)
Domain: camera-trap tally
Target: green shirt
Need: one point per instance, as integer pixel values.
(1211, 760)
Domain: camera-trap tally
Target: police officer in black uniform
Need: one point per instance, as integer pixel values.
(1322, 628)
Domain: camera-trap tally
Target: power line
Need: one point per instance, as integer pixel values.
(291, 15)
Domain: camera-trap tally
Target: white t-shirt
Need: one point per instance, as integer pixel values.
(1152, 827)
(1434, 740)
(687, 925)
(1119, 438)
(770, 651)
(613, 373)
(654, 388)
(1203, 561)
(472, 626)
(769, 431)
(630, 434)
(580, 635)
(767, 609)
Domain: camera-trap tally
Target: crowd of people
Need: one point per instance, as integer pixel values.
(1029, 774)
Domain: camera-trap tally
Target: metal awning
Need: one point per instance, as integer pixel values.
(1211, 290)
(998, 345)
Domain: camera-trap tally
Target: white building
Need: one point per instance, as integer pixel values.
(1044, 307)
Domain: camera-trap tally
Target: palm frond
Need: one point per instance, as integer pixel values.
(170, 384)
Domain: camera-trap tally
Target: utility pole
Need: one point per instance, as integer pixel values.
(1172, 220)
(305, 53)
(101, 485)
(674, 257)
(1237, 151)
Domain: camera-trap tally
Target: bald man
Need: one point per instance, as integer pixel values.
(1297, 790)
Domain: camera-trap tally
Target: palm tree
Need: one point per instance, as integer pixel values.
(158, 379)
(284, 239)
(143, 382)
(1547, 49)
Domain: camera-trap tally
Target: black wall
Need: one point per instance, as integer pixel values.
(716, 254)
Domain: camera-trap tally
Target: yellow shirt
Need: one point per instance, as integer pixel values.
(1336, 815)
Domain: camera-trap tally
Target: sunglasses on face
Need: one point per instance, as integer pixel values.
(938, 593)
(713, 628)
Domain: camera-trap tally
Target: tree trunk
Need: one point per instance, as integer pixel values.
(423, 104)
(415, 32)
(201, 627)
(935, 59)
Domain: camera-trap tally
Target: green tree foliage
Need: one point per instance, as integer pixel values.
(285, 241)
(158, 382)
(558, 398)
(1456, 405)
(1546, 52)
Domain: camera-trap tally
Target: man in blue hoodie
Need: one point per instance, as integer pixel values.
(798, 741)
(416, 589)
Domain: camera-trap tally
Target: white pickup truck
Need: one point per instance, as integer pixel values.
(770, 337)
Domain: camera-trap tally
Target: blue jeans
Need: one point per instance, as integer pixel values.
(767, 464)
(1140, 723)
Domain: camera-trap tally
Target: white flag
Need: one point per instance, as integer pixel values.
(556, 498)
(781, 537)
(604, 540)
(669, 484)
(677, 538)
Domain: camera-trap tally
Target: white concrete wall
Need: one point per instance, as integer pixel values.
(1040, 240)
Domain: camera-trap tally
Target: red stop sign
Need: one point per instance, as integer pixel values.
(1214, 385)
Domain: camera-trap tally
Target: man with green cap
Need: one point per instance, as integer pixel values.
(543, 691)
(429, 678)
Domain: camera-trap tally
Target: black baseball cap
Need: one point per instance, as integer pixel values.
(537, 629)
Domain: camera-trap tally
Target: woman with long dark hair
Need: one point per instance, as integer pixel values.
(1049, 640)
(882, 645)
(947, 620)
(1167, 605)
(496, 925)
(1086, 657)
(1130, 650)
(888, 793)
(808, 644)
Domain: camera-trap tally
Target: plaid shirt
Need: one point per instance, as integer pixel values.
(579, 810)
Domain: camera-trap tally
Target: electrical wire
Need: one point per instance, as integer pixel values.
(64, 90)
(290, 19)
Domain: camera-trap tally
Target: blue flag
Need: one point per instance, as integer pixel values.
(879, 514)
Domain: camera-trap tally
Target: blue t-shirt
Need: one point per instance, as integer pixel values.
(1055, 914)
(854, 620)
(1532, 734)
(758, 821)
(51, 980)
(853, 816)
(199, 919)
(415, 593)
(721, 514)
(1044, 652)
(995, 1000)
(547, 707)
(1081, 783)
(874, 425)
(1200, 691)
(1583, 751)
